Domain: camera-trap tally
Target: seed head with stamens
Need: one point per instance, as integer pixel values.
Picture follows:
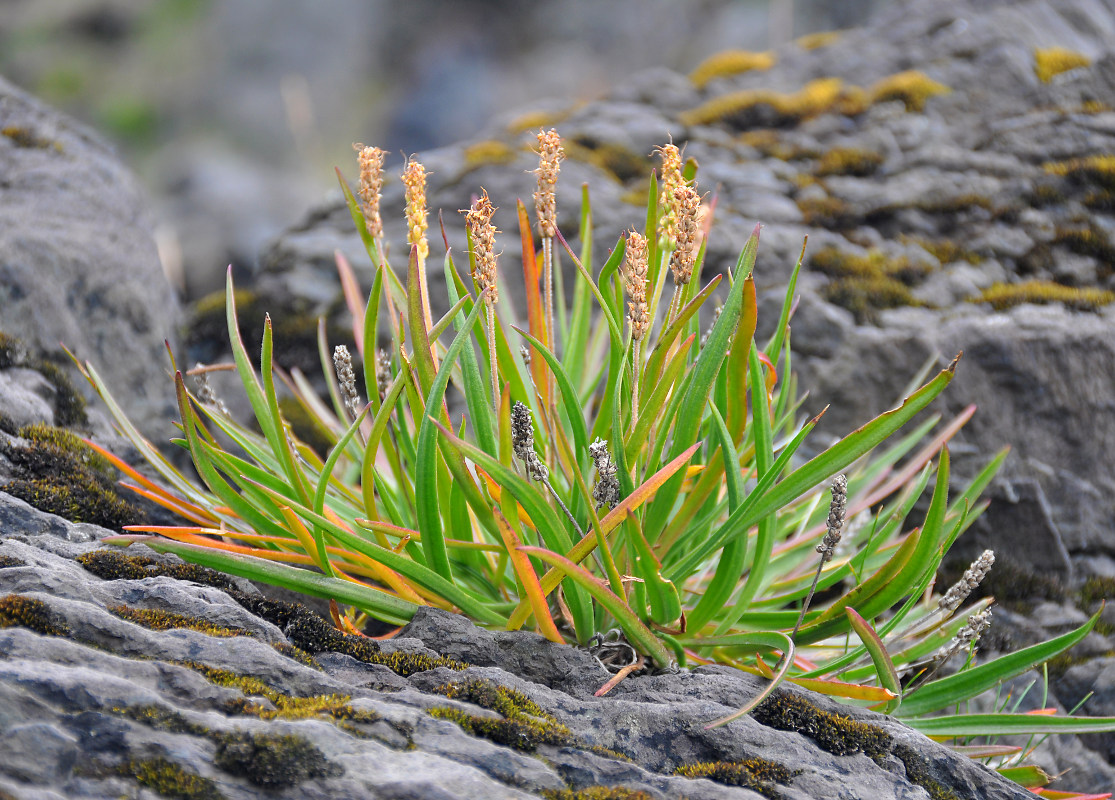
(635, 284)
(414, 178)
(383, 372)
(837, 510)
(672, 181)
(342, 362)
(522, 442)
(205, 393)
(371, 182)
(972, 577)
(606, 490)
(689, 218)
(483, 233)
(550, 156)
(977, 624)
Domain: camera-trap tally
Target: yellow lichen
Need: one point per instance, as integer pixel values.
(865, 296)
(1096, 169)
(815, 41)
(1002, 296)
(849, 161)
(1052, 61)
(489, 151)
(770, 143)
(814, 98)
(827, 212)
(533, 120)
(945, 250)
(912, 87)
(838, 264)
(730, 62)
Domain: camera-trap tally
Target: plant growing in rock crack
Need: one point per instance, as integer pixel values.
(698, 536)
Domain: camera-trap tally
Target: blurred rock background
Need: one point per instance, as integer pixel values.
(234, 112)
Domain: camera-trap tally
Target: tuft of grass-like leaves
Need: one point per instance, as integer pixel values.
(608, 463)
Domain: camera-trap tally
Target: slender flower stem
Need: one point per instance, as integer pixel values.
(826, 548)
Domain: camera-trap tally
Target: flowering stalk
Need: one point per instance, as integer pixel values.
(638, 316)
(550, 156)
(968, 636)
(522, 444)
(414, 178)
(835, 526)
(957, 593)
(684, 255)
(369, 191)
(483, 237)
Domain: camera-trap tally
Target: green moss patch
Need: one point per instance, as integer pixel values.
(831, 213)
(69, 405)
(26, 138)
(117, 565)
(157, 620)
(169, 779)
(524, 726)
(833, 733)
(306, 630)
(58, 473)
(865, 297)
(946, 251)
(758, 774)
(161, 719)
(272, 761)
(293, 327)
(917, 771)
(596, 793)
(17, 610)
(10, 561)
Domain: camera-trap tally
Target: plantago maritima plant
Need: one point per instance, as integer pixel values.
(699, 536)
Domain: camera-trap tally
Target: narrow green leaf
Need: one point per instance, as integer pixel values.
(785, 663)
(704, 373)
(957, 688)
(379, 604)
(884, 666)
(1008, 724)
(638, 634)
(425, 468)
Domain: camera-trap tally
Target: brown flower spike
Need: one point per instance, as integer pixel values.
(688, 224)
(483, 233)
(414, 178)
(371, 183)
(635, 284)
(550, 156)
(672, 181)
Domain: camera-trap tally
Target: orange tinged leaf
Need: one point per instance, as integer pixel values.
(529, 578)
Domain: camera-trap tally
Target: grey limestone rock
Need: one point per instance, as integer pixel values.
(89, 700)
(78, 265)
